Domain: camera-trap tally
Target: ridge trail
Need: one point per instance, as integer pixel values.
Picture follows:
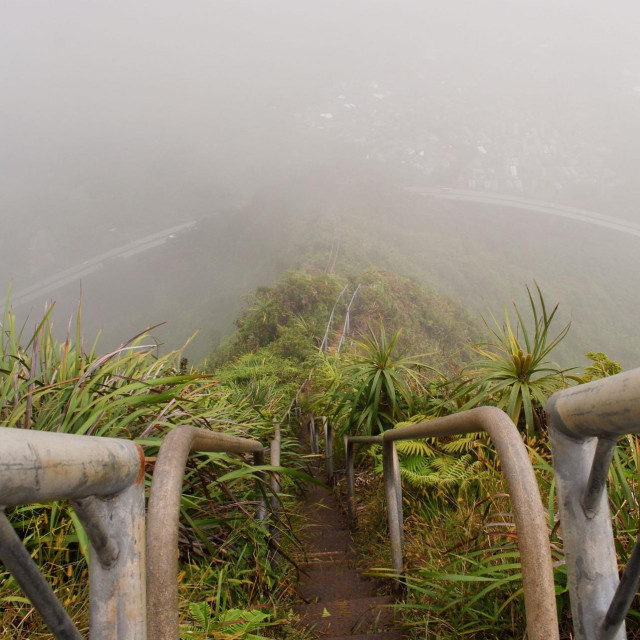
(338, 601)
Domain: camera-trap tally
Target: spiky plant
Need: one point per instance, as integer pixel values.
(513, 371)
(373, 389)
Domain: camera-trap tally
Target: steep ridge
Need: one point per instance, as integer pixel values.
(338, 601)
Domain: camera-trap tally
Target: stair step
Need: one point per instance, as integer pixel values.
(385, 635)
(347, 615)
(343, 559)
(328, 582)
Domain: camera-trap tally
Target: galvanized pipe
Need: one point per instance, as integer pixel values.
(163, 514)
(108, 475)
(105, 546)
(349, 448)
(328, 448)
(261, 498)
(598, 475)
(19, 563)
(393, 494)
(276, 488)
(578, 417)
(350, 475)
(624, 595)
(603, 408)
(313, 436)
(529, 515)
(40, 466)
(117, 593)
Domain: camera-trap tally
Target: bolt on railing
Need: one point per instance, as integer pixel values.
(529, 515)
(585, 423)
(104, 479)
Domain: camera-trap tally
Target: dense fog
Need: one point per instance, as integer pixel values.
(170, 155)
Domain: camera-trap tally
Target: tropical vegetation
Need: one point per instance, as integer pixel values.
(359, 368)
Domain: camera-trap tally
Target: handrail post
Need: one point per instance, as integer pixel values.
(328, 448)
(585, 423)
(313, 436)
(393, 493)
(261, 510)
(104, 479)
(529, 515)
(276, 488)
(349, 463)
(163, 513)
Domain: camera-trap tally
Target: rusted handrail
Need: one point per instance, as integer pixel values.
(530, 520)
(104, 479)
(163, 514)
(275, 449)
(585, 422)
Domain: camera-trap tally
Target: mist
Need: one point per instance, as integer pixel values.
(168, 157)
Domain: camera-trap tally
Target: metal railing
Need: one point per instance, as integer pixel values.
(314, 442)
(104, 479)
(585, 423)
(529, 514)
(163, 514)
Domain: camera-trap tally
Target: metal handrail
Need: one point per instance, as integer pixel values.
(349, 448)
(314, 442)
(104, 479)
(163, 513)
(585, 423)
(529, 515)
(275, 449)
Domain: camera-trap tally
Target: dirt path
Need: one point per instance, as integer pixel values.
(338, 602)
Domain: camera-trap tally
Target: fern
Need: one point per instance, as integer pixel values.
(416, 448)
(232, 624)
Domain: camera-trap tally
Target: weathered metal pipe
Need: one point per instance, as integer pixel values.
(163, 514)
(104, 477)
(393, 494)
(313, 436)
(328, 448)
(106, 547)
(39, 466)
(19, 563)
(584, 423)
(597, 481)
(276, 488)
(261, 497)
(117, 592)
(624, 595)
(349, 448)
(602, 409)
(529, 515)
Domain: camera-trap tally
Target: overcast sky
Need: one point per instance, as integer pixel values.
(120, 118)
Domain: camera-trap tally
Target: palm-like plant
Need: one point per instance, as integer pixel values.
(513, 371)
(372, 390)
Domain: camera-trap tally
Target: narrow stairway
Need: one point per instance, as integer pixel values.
(338, 601)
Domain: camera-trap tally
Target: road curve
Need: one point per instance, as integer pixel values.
(529, 204)
(72, 274)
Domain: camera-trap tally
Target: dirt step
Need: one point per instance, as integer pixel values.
(328, 582)
(387, 635)
(347, 616)
(328, 556)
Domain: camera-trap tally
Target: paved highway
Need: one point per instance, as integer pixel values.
(529, 204)
(73, 274)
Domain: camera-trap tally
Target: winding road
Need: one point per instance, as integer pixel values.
(73, 274)
(529, 204)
